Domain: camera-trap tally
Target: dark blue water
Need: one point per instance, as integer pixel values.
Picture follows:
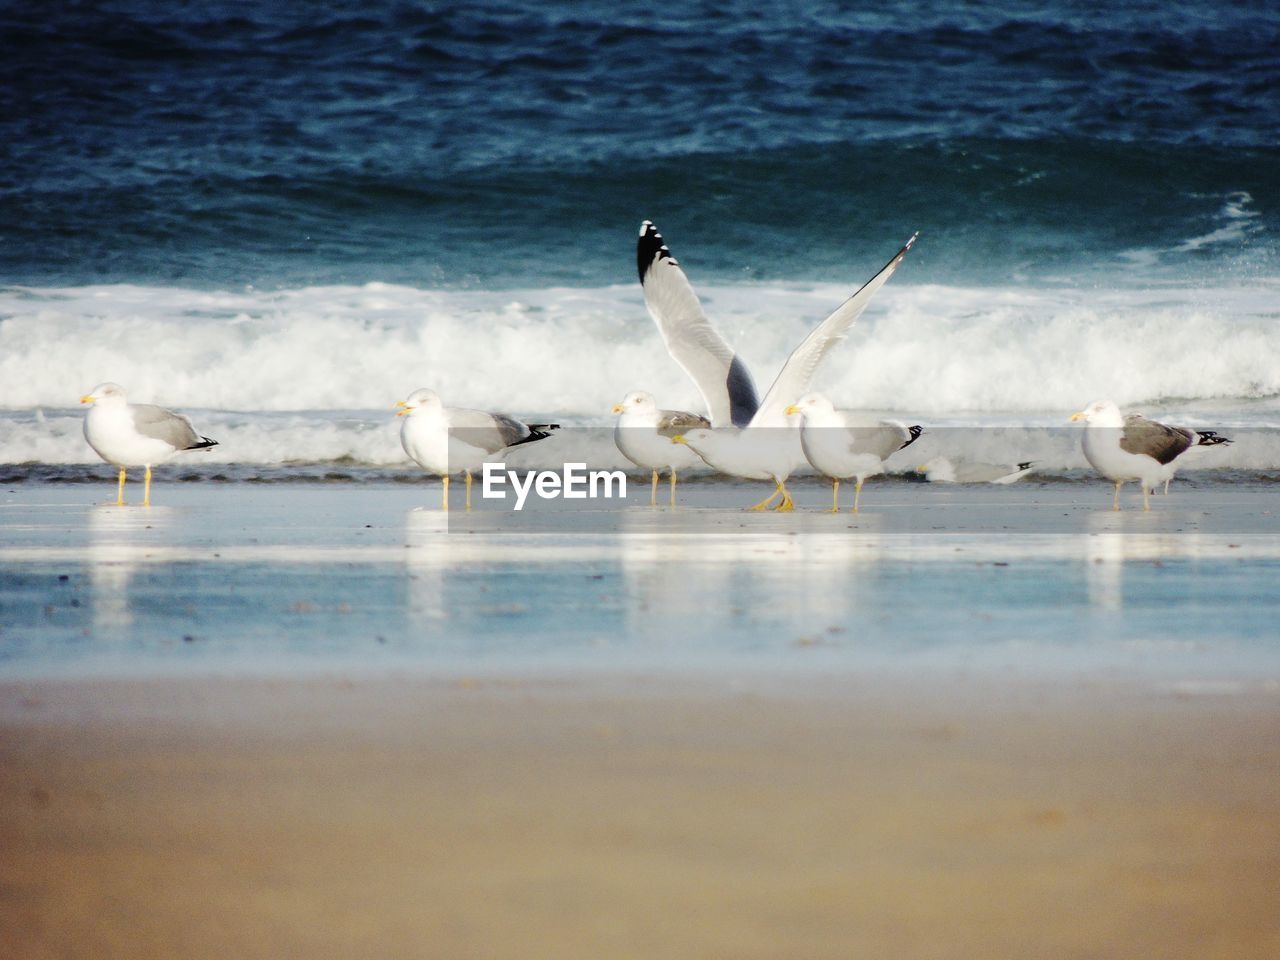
(222, 143)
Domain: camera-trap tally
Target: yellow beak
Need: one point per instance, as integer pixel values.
(922, 468)
(1077, 416)
(680, 439)
(791, 409)
(87, 398)
(617, 408)
(404, 408)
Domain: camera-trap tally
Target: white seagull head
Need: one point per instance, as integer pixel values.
(811, 403)
(105, 393)
(422, 400)
(1101, 413)
(637, 401)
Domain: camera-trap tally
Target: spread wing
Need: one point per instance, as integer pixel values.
(719, 373)
(672, 423)
(165, 425)
(798, 372)
(1160, 442)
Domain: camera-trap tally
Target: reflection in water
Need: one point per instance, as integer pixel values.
(427, 567)
(659, 585)
(725, 580)
(1113, 543)
(724, 583)
(118, 538)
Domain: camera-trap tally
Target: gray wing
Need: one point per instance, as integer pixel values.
(490, 432)
(882, 439)
(165, 425)
(1160, 442)
(980, 472)
(798, 372)
(719, 373)
(672, 423)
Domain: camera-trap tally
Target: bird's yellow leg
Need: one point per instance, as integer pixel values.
(835, 494)
(146, 488)
(673, 486)
(763, 504)
(120, 488)
(857, 494)
(468, 473)
(1146, 502)
(1115, 502)
(653, 490)
(444, 485)
(787, 504)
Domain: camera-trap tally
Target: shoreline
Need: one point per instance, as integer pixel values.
(244, 578)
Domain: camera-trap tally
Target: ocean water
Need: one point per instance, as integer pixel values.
(282, 219)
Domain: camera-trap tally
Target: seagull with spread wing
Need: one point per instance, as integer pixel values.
(768, 447)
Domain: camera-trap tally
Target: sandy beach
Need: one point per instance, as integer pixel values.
(310, 720)
(945, 816)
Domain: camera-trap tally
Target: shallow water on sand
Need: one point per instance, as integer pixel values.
(263, 580)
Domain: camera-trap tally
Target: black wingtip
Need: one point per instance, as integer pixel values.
(204, 444)
(650, 247)
(915, 430)
(1026, 465)
(1208, 438)
(537, 431)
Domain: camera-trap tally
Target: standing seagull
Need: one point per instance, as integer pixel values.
(839, 444)
(135, 434)
(447, 440)
(769, 448)
(644, 433)
(1133, 448)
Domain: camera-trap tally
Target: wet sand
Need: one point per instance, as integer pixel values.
(948, 815)
(317, 721)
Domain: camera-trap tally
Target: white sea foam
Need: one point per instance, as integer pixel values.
(312, 374)
(1238, 221)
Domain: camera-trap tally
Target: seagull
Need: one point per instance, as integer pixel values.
(839, 444)
(1133, 448)
(135, 434)
(768, 447)
(945, 470)
(447, 440)
(643, 434)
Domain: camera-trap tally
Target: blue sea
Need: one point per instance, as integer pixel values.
(251, 211)
(214, 145)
